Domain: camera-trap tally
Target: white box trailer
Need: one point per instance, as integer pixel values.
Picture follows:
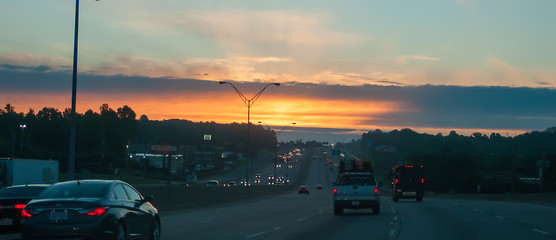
(17, 171)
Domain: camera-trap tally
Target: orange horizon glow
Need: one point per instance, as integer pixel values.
(228, 108)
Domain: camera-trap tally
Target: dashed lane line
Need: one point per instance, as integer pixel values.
(392, 233)
(541, 231)
(256, 234)
(301, 219)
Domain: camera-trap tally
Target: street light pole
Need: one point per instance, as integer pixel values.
(276, 134)
(71, 156)
(248, 103)
(276, 150)
(73, 124)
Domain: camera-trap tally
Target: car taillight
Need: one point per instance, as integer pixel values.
(99, 211)
(396, 180)
(19, 206)
(25, 214)
(376, 191)
(335, 192)
(422, 180)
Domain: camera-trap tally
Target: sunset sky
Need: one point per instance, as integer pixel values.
(345, 67)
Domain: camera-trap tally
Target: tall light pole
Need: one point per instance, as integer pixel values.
(276, 134)
(248, 103)
(71, 155)
(22, 126)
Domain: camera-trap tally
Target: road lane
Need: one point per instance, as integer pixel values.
(470, 219)
(294, 216)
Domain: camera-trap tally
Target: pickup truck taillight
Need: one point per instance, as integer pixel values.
(376, 191)
(335, 192)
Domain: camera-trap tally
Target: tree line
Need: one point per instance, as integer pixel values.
(104, 138)
(459, 162)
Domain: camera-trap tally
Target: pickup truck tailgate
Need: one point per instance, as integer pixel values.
(355, 192)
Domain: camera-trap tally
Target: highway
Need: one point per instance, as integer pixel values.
(294, 216)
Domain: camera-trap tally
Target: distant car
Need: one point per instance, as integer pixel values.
(231, 183)
(303, 189)
(12, 200)
(90, 209)
(213, 183)
(271, 180)
(245, 183)
(319, 187)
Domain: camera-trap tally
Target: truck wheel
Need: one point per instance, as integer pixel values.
(419, 199)
(395, 199)
(338, 210)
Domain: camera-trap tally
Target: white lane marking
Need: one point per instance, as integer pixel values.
(540, 231)
(392, 232)
(321, 211)
(205, 221)
(500, 217)
(256, 234)
(276, 229)
(301, 219)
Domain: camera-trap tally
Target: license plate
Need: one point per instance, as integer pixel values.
(6, 221)
(409, 193)
(355, 203)
(59, 215)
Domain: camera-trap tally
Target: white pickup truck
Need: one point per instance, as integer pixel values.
(356, 190)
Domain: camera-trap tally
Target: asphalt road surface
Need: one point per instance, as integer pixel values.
(294, 216)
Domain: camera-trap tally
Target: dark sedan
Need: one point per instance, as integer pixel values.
(12, 200)
(90, 209)
(303, 189)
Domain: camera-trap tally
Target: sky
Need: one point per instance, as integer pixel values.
(345, 67)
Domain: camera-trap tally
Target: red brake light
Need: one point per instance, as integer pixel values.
(422, 180)
(99, 211)
(19, 206)
(376, 191)
(25, 214)
(335, 192)
(396, 180)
